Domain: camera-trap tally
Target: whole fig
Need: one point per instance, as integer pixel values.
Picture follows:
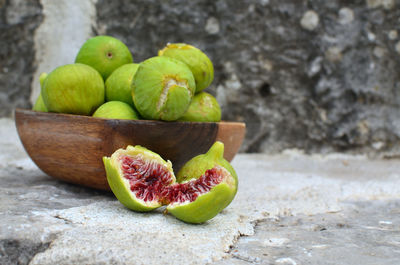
(203, 108)
(74, 89)
(198, 62)
(104, 53)
(118, 84)
(39, 104)
(162, 88)
(116, 110)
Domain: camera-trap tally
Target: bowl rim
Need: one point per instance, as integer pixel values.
(72, 116)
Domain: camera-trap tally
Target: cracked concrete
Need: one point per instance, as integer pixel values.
(362, 233)
(290, 209)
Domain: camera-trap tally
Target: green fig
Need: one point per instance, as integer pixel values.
(198, 62)
(74, 89)
(199, 200)
(42, 77)
(162, 88)
(137, 176)
(118, 84)
(39, 104)
(105, 54)
(214, 157)
(116, 110)
(203, 108)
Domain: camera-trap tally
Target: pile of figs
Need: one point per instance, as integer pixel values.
(105, 82)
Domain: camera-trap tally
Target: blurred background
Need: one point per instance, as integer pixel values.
(318, 76)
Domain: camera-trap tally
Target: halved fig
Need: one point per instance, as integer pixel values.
(214, 157)
(199, 200)
(137, 176)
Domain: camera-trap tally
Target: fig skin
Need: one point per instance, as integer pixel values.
(118, 84)
(74, 89)
(120, 186)
(42, 78)
(207, 205)
(39, 104)
(196, 167)
(116, 110)
(104, 53)
(162, 88)
(198, 62)
(203, 108)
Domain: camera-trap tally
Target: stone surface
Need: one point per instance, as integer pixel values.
(291, 208)
(310, 20)
(18, 22)
(333, 238)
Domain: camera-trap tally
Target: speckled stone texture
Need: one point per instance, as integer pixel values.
(18, 21)
(315, 75)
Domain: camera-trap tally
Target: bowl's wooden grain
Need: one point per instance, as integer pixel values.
(71, 147)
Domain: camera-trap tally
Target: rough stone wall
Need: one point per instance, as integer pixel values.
(67, 24)
(18, 21)
(314, 75)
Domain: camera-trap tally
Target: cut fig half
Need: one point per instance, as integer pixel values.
(201, 199)
(137, 177)
(195, 167)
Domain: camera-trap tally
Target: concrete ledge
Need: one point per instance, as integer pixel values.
(290, 209)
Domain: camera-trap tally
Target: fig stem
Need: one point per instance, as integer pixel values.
(216, 150)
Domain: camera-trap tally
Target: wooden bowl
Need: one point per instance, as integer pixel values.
(71, 147)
